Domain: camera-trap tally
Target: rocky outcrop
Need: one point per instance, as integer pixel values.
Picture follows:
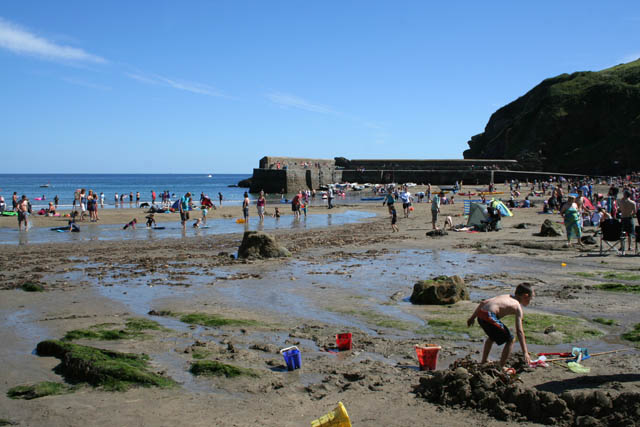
(585, 122)
(256, 244)
(440, 290)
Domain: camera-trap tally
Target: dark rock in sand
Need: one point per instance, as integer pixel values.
(436, 233)
(256, 244)
(523, 226)
(440, 290)
(550, 229)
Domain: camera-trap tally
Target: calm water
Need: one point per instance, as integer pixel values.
(64, 186)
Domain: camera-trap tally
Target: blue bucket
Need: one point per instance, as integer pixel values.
(292, 357)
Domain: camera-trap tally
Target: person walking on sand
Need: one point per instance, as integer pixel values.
(185, 201)
(389, 201)
(394, 220)
(490, 311)
(572, 220)
(435, 209)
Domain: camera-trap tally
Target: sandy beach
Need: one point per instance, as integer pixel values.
(346, 278)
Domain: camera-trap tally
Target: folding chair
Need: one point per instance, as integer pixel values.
(612, 236)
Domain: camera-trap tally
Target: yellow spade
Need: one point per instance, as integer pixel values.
(336, 418)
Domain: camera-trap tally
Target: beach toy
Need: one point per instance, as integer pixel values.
(540, 361)
(428, 356)
(240, 221)
(343, 341)
(411, 208)
(336, 418)
(292, 357)
(563, 264)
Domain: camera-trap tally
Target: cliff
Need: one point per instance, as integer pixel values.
(585, 122)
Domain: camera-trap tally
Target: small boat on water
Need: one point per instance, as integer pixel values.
(45, 185)
(209, 176)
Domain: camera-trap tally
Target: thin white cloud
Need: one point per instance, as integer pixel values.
(194, 87)
(85, 84)
(23, 42)
(291, 101)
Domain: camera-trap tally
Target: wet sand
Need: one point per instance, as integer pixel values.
(346, 278)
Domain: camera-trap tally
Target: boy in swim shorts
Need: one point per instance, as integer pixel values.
(490, 311)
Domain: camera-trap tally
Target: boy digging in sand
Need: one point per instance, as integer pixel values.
(489, 313)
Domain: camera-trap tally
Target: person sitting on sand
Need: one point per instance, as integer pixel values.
(490, 311)
(52, 209)
(131, 224)
(151, 221)
(448, 222)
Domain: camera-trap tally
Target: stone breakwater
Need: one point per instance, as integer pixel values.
(291, 174)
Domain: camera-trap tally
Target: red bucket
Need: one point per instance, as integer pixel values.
(343, 341)
(428, 356)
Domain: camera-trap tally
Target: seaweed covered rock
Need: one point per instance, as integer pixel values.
(486, 388)
(110, 369)
(550, 229)
(440, 290)
(256, 244)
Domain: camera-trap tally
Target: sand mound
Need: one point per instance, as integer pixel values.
(486, 388)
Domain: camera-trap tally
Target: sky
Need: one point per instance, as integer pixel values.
(213, 86)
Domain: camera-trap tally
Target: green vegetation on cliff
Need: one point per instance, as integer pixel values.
(585, 122)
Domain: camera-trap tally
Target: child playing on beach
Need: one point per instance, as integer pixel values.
(490, 311)
(151, 221)
(394, 219)
(197, 223)
(131, 224)
(276, 214)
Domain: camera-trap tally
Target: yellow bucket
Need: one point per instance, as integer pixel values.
(336, 418)
(240, 220)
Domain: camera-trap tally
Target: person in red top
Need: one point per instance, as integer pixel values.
(295, 205)
(153, 197)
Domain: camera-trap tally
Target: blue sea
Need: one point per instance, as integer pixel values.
(64, 185)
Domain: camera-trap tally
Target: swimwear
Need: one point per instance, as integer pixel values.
(184, 216)
(627, 225)
(494, 328)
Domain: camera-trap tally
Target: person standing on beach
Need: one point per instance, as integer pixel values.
(394, 219)
(14, 201)
(245, 207)
(628, 210)
(23, 213)
(115, 199)
(101, 200)
(389, 201)
(330, 198)
(153, 197)
(137, 199)
(261, 203)
(185, 201)
(435, 209)
(55, 201)
(220, 198)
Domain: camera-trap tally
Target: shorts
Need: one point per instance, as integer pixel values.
(260, 210)
(83, 207)
(22, 216)
(627, 225)
(494, 328)
(434, 215)
(394, 219)
(184, 216)
(406, 205)
(204, 213)
(245, 212)
(295, 208)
